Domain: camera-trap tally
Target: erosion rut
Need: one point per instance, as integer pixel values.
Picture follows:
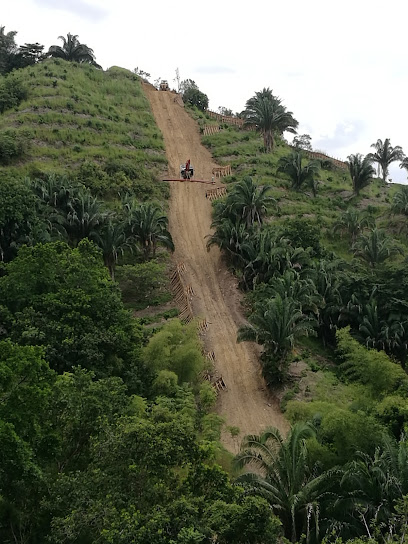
(246, 403)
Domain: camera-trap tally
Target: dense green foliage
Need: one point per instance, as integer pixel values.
(106, 430)
(192, 95)
(62, 299)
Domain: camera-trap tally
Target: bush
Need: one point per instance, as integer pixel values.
(196, 98)
(303, 233)
(369, 366)
(12, 92)
(93, 176)
(176, 348)
(12, 146)
(143, 284)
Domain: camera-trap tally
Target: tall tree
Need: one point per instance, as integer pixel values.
(64, 300)
(72, 50)
(267, 114)
(28, 54)
(229, 236)
(385, 154)
(19, 220)
(361, 171)
(113, 242)
(8, 49)
(303, 141)
(371, 487)
(85, 217)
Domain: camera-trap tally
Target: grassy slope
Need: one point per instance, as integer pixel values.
(76, 114)
(244, 151)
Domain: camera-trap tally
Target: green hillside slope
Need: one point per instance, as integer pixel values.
(94, 125)
(243, 150)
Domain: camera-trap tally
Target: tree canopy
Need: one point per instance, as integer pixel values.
(72, 50)
(266, 113)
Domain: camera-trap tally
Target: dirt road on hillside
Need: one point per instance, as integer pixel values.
(246, 402)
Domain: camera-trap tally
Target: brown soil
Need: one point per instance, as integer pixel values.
(246, 403)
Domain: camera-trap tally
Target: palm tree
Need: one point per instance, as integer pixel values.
(55, 194)
(385, 154)
(353, 222)
(292, 165)
(404, 163)
(267, 253)
(361, 171)
(400, 201)
(276, 324)
(266, 113)
(85, 217)
(376, 247)
(283, 476)
(229, 236)
(327, 278)
(113, 241)
(55, 191)
(395, 335)
(73, 51)
(248, 202)
(372, 327)
(149, 226)
(291, 285)
(371, 487)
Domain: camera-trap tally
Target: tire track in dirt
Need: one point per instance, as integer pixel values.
(246, 403)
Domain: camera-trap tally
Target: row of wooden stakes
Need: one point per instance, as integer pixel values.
(182, 296)
(213, 194)
(221, 171)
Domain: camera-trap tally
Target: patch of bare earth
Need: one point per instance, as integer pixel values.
(246, 403)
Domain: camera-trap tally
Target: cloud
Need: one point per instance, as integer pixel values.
(214, 70)
(81, 8)
(344, 136)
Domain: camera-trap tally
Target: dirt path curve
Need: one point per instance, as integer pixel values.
(246, 402)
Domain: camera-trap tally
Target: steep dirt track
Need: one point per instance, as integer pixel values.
(246, 403)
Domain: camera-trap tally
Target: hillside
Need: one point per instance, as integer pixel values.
(243, 150)
(96, 125)
(292, 330)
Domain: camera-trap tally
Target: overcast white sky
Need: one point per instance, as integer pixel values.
(340, 67)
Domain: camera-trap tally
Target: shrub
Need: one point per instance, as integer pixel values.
(368, 366)
(93, 176)
(143, 283)
(12, 146)
(176, 348)
(12, 92)
(303, 233)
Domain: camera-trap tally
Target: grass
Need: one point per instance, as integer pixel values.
(75, 114)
